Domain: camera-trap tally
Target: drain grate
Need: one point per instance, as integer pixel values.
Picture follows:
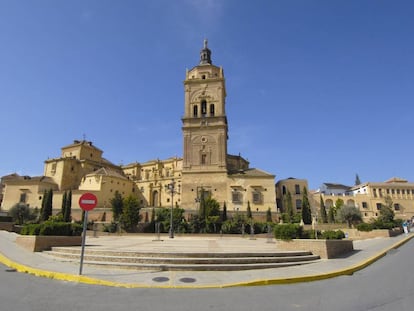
(11, 270)
(187, 280)
(160, 279)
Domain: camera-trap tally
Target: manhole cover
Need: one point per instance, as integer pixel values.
(11, 270)
(160, 279)
(187, 280)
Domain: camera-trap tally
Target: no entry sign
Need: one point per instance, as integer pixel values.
(88, 201)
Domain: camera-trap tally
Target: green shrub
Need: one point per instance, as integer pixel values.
(287, 231)
(6, 219)
(31, 229)
(111, 228)
(333, 235)
(52, 228)
(379, 224)
(310, 234)
(364, 227)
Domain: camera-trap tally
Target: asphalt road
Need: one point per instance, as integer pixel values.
(386, 285)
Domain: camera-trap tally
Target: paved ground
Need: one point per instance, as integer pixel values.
(15, 257)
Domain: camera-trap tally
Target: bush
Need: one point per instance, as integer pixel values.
(287, 231)
(111, 228)
(31, 229)
(379, 224)
(364, 227)
(333, 235)
(310, 234)
(52, 228)
(6, 219)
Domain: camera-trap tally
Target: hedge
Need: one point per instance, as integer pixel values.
(52, 228)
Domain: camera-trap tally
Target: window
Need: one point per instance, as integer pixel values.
(297, 189)
(364, 205)
(298, 204)
(195, 111)
(374, 192)
(257, 197)
(23, 198)
(236, 196)
(203, 159)
(379, 205)
(203, 108)
(211, 110)
(397, 206)
(283, 190)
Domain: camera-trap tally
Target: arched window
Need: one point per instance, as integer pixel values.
(195, 111)
(212, 110)
(203, 108)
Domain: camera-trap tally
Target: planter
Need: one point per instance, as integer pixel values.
(38, 243)
(326, 249)
(376, 233)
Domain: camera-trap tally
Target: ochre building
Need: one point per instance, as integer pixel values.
(206, 168)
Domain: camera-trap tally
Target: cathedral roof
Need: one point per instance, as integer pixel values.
(251, 172)
(105, 171)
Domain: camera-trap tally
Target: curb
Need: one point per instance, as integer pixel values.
(92, 281)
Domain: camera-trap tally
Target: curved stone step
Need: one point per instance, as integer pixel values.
(215, 261)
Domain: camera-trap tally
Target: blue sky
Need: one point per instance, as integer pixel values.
(321, 90)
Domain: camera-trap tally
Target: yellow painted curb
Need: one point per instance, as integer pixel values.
(317, 277)
(92, 281)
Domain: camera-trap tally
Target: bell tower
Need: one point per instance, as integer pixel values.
(204, 127)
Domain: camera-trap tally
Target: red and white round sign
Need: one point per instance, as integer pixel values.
(88, 201)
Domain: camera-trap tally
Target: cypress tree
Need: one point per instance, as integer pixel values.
(68, 208)
(306, 211)
(269, 215)
(47, 205)
(224, 217)
(44, 199)
(324, 216)
(289, 207)
(357, 180)
(63, 204)
(249, 211)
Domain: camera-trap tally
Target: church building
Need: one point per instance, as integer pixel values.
(206, 168)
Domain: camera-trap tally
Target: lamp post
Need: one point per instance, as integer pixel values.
(171, 188)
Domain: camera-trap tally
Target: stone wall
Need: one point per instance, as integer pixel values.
(38, 243)
(326, 249)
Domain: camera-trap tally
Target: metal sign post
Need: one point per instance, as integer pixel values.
(85, 224)
(87, 202)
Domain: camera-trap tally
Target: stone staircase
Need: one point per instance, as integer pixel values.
(183, 261)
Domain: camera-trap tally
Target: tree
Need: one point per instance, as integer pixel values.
(67, 214)
(130, 213)
(224, 214)
(331, 214)
(324, 216)
(306, 211)
(20, 213)
(47, 205)
(117, 203)
(386, 212)
(249, 211)
(288, 205)
(269, 215)
(63, 203)
(357, 180)
(349, 214)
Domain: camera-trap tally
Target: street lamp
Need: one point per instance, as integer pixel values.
(171, 188)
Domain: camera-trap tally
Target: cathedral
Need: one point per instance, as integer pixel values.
(205, 169)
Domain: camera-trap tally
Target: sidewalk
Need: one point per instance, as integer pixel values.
(39, 264)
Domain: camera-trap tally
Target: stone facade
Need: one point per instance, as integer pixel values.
(206, 168)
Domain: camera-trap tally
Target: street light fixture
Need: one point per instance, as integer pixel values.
(171, 188)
